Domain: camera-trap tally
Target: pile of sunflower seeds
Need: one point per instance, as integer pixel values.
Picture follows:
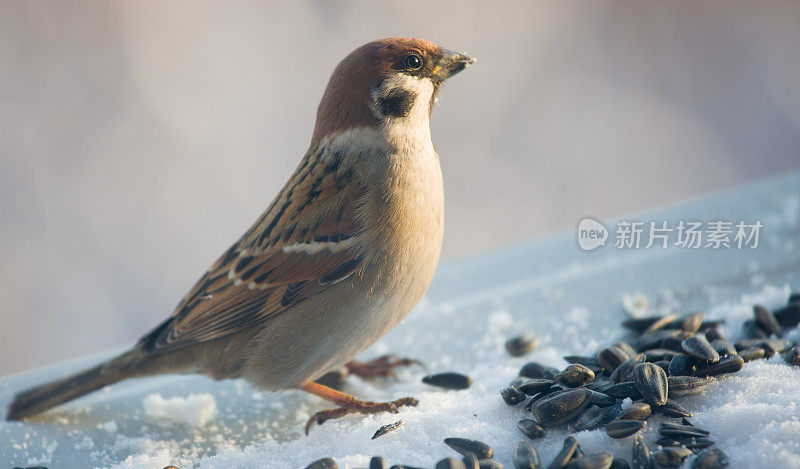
(664, 359)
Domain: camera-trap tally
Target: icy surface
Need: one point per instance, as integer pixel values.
(574, 301)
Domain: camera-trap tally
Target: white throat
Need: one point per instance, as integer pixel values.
(411, 132)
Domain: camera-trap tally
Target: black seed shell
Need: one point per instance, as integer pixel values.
(651, 381)
(448, 380)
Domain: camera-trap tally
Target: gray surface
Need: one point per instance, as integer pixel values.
(535, 282)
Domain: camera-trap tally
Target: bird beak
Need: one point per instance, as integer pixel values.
(450, 64)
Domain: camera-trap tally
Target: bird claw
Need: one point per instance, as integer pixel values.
(381, 367)
(359, 407)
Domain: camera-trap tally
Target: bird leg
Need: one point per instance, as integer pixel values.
(381, 367)
(349, 404)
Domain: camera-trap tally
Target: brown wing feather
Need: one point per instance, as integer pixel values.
(258, 277)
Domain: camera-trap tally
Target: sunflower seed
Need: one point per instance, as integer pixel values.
(471, 461)
(521, 345)
(387, 428)
(673, 409)
(767, 320)
(531, 428)
(561, 407)
(682, 431)
(640, 324)
(526, 457)
(672, 343)
(680, 386)
(575, 375)
(770, 346)
(578, 452)
(641, 454)
(651, 381)
(598, 383)
(714, 333)
(777, 345)
(530, 403)
(451, 463)
(661, 323)
(540, 396)
(512, 396)
(623, 390)
(711, 324)
(619, 463)
(654, 340)
(516, 382)
(690, 323)
(489, 464)
(324, 463)
(789, 316)
(588, 362)
(566, 453)
(625, 347)
(589, 419)
(611, 357)
(636, 411)
(377, 462)
(681, 365)
(466, 446)
(611, 413)
(752, 330)
(697, 442)
(533, 386)
(624, 370)
(723, 347)
(751, 353)
(601, 399)
(792, 357)
(592, 461)
(698, 347)
(672, 456)
(711, 458)
(624, 428)
(659, 354)
(448, 380)
(535, 370)
(727, 364)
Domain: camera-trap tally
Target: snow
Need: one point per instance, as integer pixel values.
(635, 304)
(111, 426)
(196, 410)
(573, 301)
(754, 414)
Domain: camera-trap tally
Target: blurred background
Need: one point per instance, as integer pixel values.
(138, 140)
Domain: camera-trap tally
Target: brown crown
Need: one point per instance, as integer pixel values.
(346, 101)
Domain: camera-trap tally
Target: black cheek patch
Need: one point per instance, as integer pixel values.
(397, 103)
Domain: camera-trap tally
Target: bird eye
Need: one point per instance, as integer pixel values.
(412, 62)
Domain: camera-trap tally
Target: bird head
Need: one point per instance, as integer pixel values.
(386, 82)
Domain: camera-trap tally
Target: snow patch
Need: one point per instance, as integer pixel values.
(196, 410)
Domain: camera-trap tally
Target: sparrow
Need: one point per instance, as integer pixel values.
(341, 255)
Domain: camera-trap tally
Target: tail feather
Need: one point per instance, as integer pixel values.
(40, 398)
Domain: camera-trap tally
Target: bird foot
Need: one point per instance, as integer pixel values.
(354, 406)
(381, 367)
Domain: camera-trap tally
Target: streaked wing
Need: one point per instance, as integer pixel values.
(301, 245)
